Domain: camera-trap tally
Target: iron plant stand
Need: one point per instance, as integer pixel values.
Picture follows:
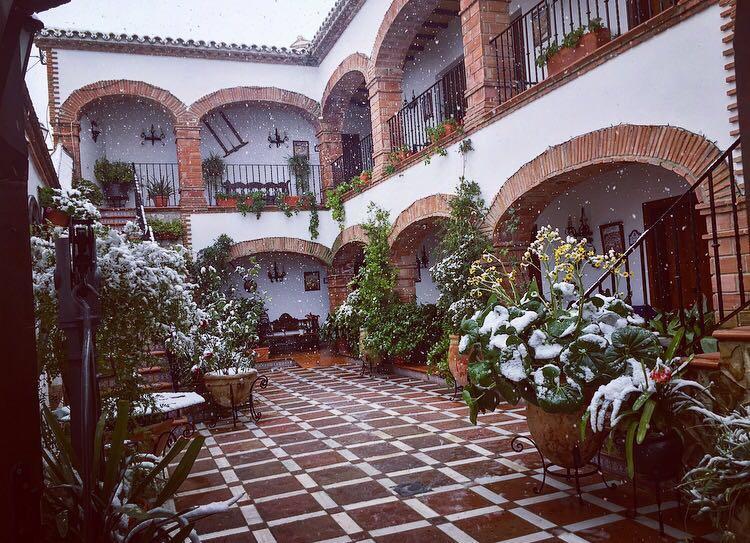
(581, 469)
(216, 412)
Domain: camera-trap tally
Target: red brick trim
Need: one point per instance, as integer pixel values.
(308, 107)
(282, 245)
(424, 212)
(70, 111)
(344, 81)
(676, 149)
(53, 87)
(351, 234)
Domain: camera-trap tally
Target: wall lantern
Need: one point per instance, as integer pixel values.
(95, 131)
(274, 275)
(152, 137)
(583, 231)
(274, 138)
(424, 261)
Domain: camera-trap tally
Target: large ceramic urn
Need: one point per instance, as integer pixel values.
(236, 385)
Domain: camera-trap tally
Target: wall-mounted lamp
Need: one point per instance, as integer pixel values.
(274, 138)
(274, 275)
(95, 131)
(423, 262)
(583, 231)
(152, 137)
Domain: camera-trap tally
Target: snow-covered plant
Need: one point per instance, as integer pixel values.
(126, 492)
(719, 486)
(75, 204)
(648, 398)
(344, 323)
(547, 350)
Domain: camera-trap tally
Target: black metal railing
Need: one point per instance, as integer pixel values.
(717, 239)
(353, 162)
(273, 180)
(140, 212)
(444, 100)
(518, 47)
(150, 173)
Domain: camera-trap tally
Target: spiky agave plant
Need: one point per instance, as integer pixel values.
(128, 488)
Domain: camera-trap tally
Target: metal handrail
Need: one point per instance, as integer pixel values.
(140, 211)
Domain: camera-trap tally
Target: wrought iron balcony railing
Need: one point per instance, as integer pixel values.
(273, 180)
(353, 162)
(149, 173)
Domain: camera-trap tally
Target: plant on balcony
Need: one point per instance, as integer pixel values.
(443, 130)
(552, 348)
(159, 192)
(228, 199)
(314, 218)
(169, 230)
(60, 205)
(576, 44)
(335, 199)
(300, 168)
(89, 190)
(254, 203)
(128, 489)
(718, 486)
(213, 168)
(365, 176)
(115, 177)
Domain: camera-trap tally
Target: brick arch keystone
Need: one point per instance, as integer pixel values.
(683, 152)
(344, 80)
(309, 108)
(282, 245)
(431, 208)
(400, 24)
(72, 109)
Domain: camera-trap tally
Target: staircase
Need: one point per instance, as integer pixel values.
(116, 217)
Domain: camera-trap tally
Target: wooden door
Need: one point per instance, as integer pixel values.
(676, 255)
(352, 155)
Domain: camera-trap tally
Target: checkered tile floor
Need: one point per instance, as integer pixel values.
(323, 462)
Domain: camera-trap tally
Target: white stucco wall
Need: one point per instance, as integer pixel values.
(289, 295)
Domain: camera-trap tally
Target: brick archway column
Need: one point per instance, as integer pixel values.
(481, 20)
(385, 101)
(188, 141)
(406, 277)
(338, 288)
(329, 149)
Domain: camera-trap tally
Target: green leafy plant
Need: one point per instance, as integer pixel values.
(89, 190)
(127, 489)
(300, 167)
(335, 199)
(161, 188)
(465, 147)
(287, 209)
(344, 323)
(546, 53)
(571, 39)
(213, 168)
(595, 24)
(696, 332)
(254, 203)
(314, 217)
(166, 229)
(389, 169)
(110, 172)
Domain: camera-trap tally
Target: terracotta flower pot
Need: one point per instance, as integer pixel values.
(364, 177)
(450, 129)
(291, 200)
(588, 43)
(229, 202)
(557, 434)
(262, 353)
(56, 217)
(160, 201)
(224, 387)
(457, 362)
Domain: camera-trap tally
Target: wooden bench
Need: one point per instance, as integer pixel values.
(288, 333)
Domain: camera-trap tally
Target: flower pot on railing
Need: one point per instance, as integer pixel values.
(588, 43)
(56, 217)
(229, 201)
(160, 201)
(365, 176)
(292, 201)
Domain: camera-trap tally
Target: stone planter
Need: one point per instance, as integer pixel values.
(457, 362)
(56, 217)
(566, 56)
(223, 387)
(557, 434)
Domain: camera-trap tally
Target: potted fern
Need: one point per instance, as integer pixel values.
(299, 165)
(159, 192)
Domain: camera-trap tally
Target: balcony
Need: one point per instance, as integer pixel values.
(442, 101)
(163, 173)
(273, 180)
(523, 49)
(357, 158)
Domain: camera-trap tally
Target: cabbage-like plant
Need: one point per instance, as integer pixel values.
(127, 489)
(548, 346)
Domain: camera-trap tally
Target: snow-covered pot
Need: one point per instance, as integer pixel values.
(237, 384)
(457, 362)
(557, 434)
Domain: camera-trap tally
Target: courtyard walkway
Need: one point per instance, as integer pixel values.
(327, 458)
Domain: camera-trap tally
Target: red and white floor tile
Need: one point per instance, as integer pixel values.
(322, 464)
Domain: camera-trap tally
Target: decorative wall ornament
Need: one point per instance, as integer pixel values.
(152, 136)
(95, 131)
(301, 148)
(613, 237)
(233, 147)
(312, 280)
(274, 275)
(419, 272)
(583, 230)
(274, 138)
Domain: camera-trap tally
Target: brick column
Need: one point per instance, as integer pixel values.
(188, 141)
(385, 101)
(481, 20)
(338, 288)
(69, 134)
(329, 149)
(406, 277)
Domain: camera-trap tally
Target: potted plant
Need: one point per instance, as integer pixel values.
(116, 179)
(168, 230)
(252, 203)
(552, 347)
(300, 168)
(51, 213)
(576, 44)
(227, 199)
(159, 192)
(365, 176)
(213, 168)
(62, 204)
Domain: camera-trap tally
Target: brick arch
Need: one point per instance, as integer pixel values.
(345, 80)
(309, 108)
(400, 25)
(351, 234)
(540, 180)
(71, 110)
(426, 212)
(282, 245)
